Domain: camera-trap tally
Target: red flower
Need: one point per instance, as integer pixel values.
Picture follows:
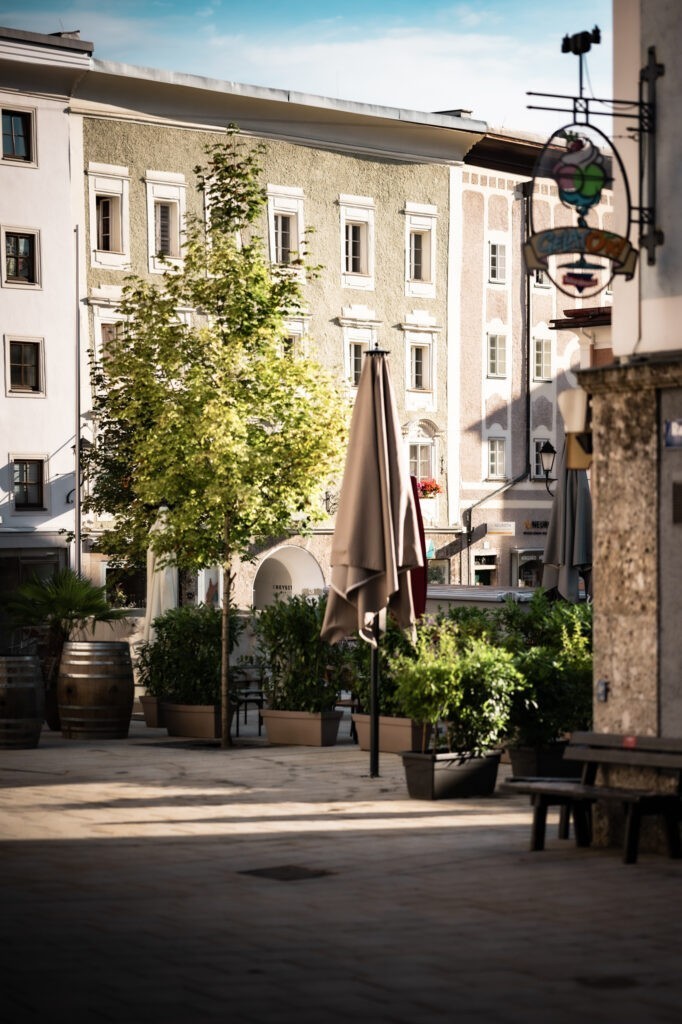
(428, 488)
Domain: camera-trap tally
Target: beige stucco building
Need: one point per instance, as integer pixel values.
(418, 224)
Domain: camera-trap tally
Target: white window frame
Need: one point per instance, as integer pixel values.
(165, 187)
(109, 181)
(23, 456)
(425, 342)
(496, 452)
(287, 201)
(296, 329)
(542, 358)
(356, 339)
(20, 392)
(358, 210)
(493, 360)
(540, 279)
(420, 218)
(497, 261)
(537, 471)
(9, 229)
(31, 113)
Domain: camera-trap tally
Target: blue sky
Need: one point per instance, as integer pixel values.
(421, 55)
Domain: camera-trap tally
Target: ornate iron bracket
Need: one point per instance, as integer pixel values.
(642, 111)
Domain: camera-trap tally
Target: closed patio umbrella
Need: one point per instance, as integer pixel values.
(568, 549)
(376, 538)
(162, 586)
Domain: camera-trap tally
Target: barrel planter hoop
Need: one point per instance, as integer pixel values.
(22, 702)
(95, 690)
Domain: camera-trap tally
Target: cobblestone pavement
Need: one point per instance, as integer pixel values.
(161, 881)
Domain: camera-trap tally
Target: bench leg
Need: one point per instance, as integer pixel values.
(582, 821)
(632, 823)
(537, 836)
(672, 832)
(564, 821)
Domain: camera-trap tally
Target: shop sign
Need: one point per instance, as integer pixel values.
(502, 528)
(535, 526)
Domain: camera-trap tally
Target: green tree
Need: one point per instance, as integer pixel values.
(201, 404)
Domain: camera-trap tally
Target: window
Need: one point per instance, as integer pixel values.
(357, 352)
(540, 279)
(358, 339)
(538, 471)
(21, 263)
(497, 355)
(165, 219)
(420, 367)
(24, 357)
(421, 460)
(420, 237)
(357, 242)
(108, 223)
(496, 458)
(497, 262)
(17, 136)
(285, 223)
(356, 248)
(28, 484)
(109, 187)
(542, 363)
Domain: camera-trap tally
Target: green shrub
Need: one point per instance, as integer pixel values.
(181, 665)
(302, 672)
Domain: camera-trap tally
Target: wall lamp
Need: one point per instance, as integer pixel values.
(547, 457)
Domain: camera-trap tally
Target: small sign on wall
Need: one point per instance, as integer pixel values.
(504, 529)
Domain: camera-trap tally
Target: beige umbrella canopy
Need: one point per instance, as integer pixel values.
(376, 537)
(568, 548)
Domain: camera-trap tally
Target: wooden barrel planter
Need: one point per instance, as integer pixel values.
(22, 702)
(95, 690)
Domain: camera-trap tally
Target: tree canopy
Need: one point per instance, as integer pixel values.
(201, 405)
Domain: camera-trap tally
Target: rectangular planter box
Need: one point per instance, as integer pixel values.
(152, 709)
(302, 728)
(194, 721)
(395, 734)
(450, 776)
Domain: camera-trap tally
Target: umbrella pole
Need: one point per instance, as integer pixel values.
(374, 704)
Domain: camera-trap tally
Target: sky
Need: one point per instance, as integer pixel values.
(424, 55)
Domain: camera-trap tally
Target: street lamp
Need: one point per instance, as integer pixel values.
(547, 457)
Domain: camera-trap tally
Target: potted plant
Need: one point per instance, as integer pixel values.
(180, 667)
(463, 687)
(551, 643)
(53, 611)
(397, 731)
(302, 672)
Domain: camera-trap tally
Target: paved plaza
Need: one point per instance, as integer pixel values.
(164, 881)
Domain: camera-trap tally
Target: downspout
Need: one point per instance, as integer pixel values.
(526, 193)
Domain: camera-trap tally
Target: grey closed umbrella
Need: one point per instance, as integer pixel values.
(568, 549)
(376, 538)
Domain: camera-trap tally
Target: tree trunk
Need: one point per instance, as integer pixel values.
(226, 740)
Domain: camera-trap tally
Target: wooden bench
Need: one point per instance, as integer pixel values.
(576, 797)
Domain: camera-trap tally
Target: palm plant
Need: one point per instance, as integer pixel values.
(55, 607)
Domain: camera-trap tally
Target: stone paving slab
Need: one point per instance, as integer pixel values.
(126, 896)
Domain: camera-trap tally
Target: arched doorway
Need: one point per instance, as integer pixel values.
(287, 571)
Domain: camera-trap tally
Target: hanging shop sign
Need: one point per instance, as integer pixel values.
(582, 254)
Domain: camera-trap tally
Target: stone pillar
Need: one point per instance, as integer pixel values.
(637, 560)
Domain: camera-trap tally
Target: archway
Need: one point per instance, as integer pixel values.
(287, 571)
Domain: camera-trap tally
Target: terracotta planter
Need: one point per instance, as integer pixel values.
(395, 734)
(152, 709)
(450, 776)
(529, 762)
(193, 721)
(302, 728)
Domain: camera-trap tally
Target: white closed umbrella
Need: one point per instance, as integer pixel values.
(162, 586)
